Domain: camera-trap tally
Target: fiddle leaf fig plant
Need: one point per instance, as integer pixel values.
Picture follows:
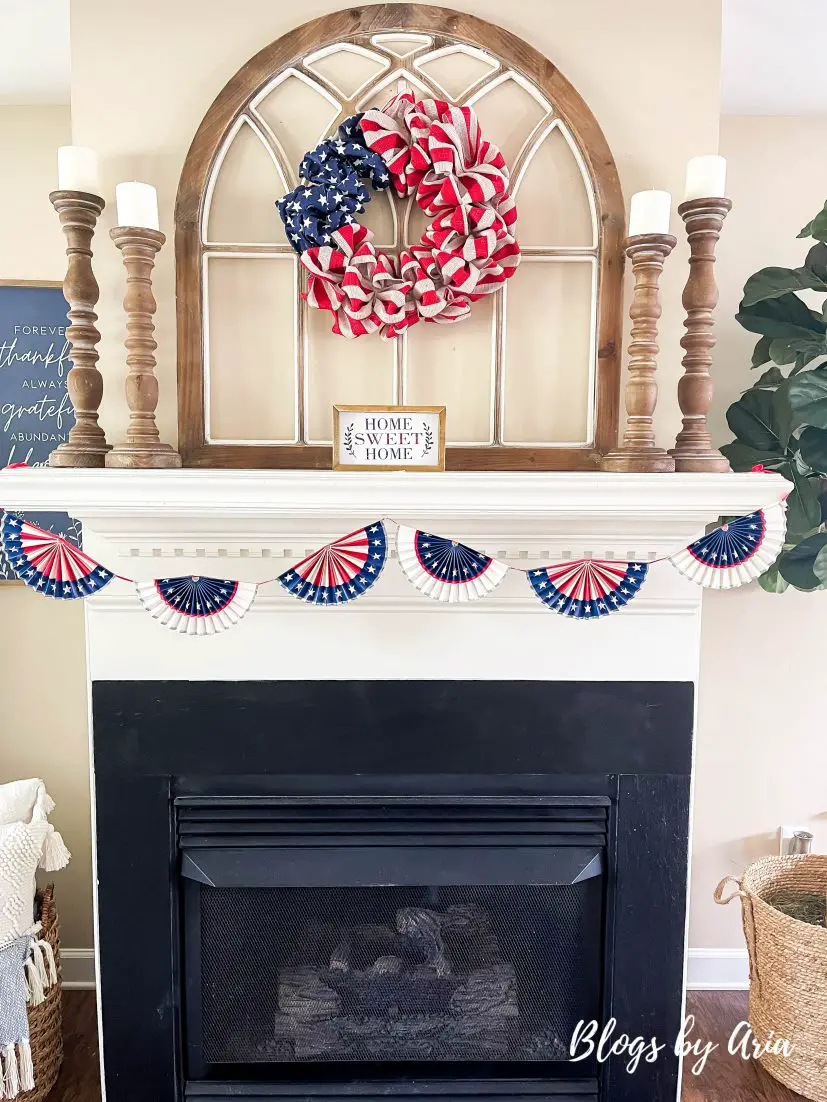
(780, 423)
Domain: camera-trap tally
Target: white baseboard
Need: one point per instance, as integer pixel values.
(707, 970)
(78, 968)
(717, 970)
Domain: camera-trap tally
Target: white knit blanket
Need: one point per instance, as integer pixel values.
(27, 966)
(28, 841)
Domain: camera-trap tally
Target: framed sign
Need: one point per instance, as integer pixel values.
(35, 412)
(389, 438)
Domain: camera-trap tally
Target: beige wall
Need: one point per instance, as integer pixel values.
(761, 752)
(759, 756)
(42, 652)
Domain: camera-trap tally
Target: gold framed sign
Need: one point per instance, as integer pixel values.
(389, 438)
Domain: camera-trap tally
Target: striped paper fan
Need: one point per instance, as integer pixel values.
(737, 552)
(587, 589)
(444, 569)
(48, 563)
(194, 605)
(340, 571)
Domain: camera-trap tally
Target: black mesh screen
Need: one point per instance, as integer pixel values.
(397, 974)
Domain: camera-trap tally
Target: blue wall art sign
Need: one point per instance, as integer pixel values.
(35, 412)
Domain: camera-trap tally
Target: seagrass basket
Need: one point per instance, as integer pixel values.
(46, 1020)
(787, 969)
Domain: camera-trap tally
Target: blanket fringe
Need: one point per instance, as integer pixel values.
(16, 1070)
(41, 971)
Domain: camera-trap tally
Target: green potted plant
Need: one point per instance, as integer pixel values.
(780, 423)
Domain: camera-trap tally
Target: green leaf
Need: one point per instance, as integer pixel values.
(772, 377)
(785, 317)
(787, 350)
(743, 458)
(812, 444)
(796, 565)
(782, 413)
(817, 228)
(804, 358)
(820, 566)
(753, 419)
(772, 582)
(761, 352)
(808, 397)
(803, 509)
(816, 260)
(822, 501)
(775, 282)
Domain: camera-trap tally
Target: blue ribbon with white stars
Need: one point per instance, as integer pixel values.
(332, 191)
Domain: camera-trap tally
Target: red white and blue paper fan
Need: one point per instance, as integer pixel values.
(340, 571)
(48, 563)
(587, 589)
(195, 605)
(444, 569)
(737, 552)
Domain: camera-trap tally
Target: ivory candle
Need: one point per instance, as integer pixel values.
(77, 169)
(649, 212)
(705, 178)
(137, 205)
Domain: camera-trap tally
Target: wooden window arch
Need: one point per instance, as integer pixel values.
(416, 42)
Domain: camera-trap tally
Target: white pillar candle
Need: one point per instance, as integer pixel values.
(77, 169)
(137, 205)
(649, 212)
(705, 178)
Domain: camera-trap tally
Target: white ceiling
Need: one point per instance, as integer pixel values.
(771, 55)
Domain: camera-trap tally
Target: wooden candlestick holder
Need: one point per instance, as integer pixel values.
(693, 449)
(638, 452)
(142, 448)
(86, 444)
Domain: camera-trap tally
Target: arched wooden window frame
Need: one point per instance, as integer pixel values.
(289, 50)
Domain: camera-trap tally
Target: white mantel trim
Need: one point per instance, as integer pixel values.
(276, 513)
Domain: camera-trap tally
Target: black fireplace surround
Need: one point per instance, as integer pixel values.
(389, 889)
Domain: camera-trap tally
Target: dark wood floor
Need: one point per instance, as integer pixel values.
(725, 1079)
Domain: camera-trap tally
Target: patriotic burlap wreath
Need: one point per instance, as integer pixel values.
(435, 152)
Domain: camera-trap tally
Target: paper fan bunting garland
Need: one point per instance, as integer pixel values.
(48, 563)
(737, 552)
(340, 571)
(195, 605)
(587, 589)
(444, 569)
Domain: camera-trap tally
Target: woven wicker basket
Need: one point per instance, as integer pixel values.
(46, 1020)
(788, 969)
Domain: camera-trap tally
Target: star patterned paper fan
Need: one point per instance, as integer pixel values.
(737, 552)
(446, 570)
(587, 589)
(194, 605)
(48, 563)
(340, 571)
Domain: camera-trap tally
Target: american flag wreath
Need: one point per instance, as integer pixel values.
(441, 568)
(432, 151)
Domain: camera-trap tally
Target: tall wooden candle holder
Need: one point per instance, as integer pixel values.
(142, 448)
(638, 451)
(86, 444)
(693, 449)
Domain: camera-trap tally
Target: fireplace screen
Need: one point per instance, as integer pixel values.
(362, 974)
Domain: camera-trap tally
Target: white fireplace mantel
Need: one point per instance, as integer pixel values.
(252, 525)
(185, 512)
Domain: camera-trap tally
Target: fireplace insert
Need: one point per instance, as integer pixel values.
(322, 940)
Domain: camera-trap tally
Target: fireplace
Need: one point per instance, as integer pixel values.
(388, 888)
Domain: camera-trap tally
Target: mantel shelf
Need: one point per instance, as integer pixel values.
(652, 513)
